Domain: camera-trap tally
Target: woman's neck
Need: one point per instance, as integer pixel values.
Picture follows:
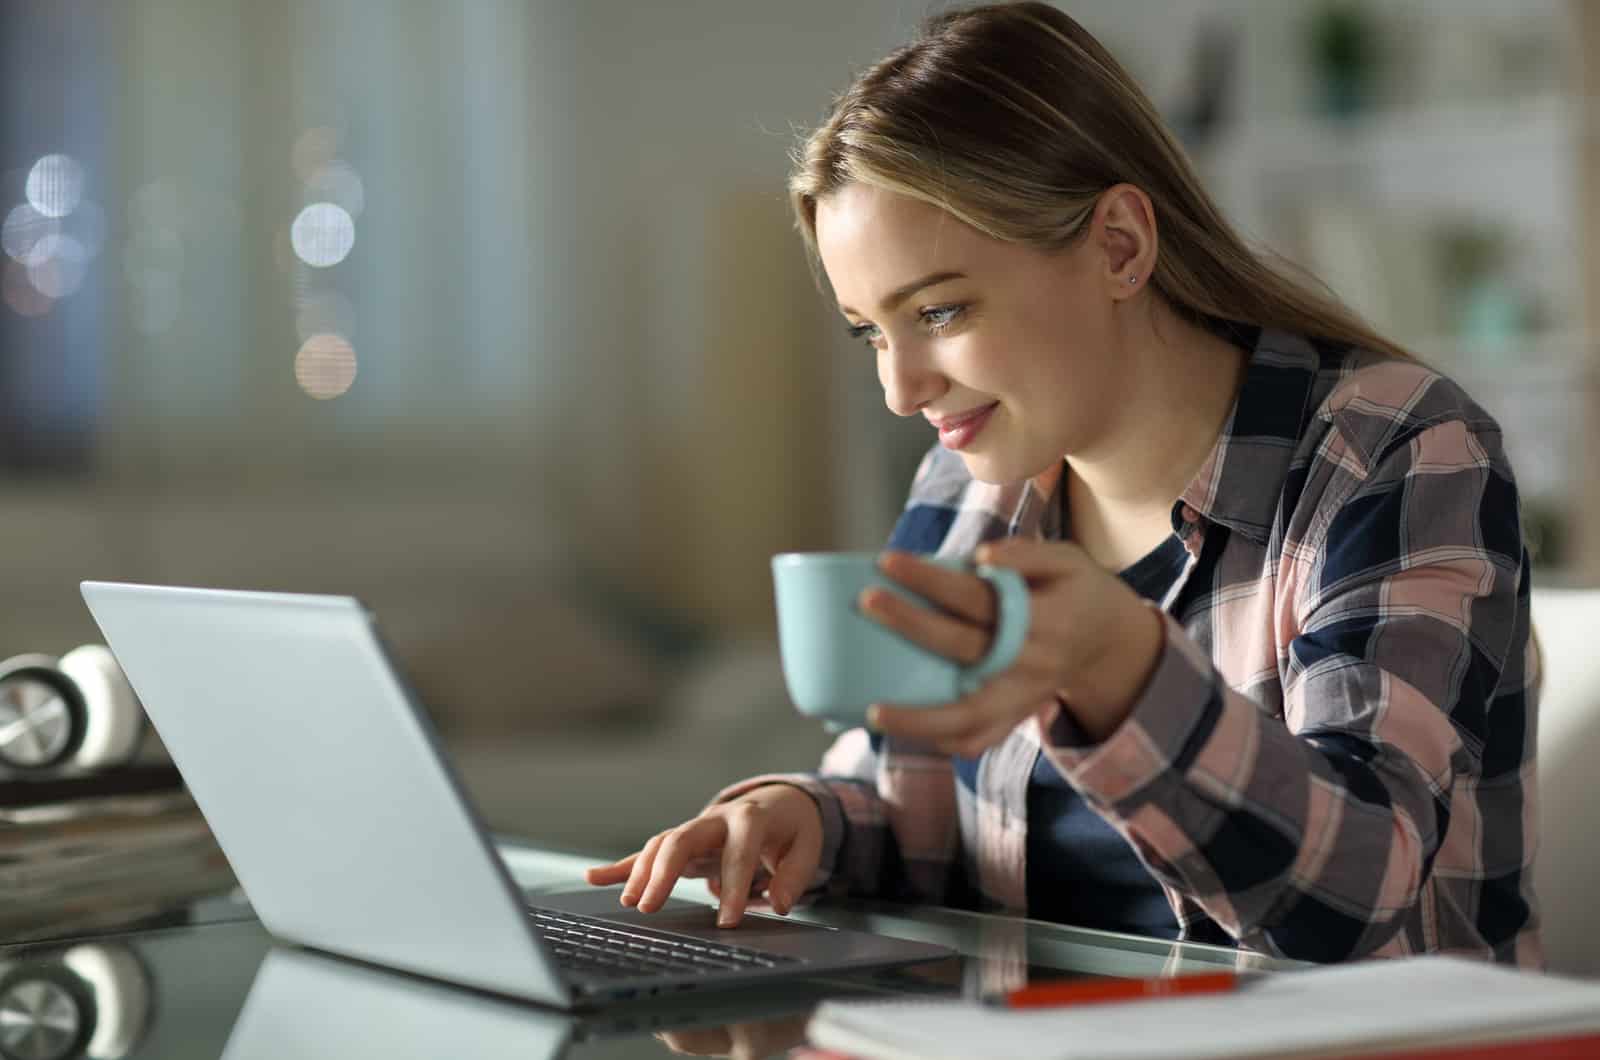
(1180, 385)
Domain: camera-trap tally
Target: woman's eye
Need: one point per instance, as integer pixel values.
(867, 333)
(941, 317)
(936, 319)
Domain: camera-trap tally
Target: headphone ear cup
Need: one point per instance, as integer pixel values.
(36, 695)
(114, 722)
(120, 985)
(50, 1011)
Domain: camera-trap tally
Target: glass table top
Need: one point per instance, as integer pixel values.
(200, 977)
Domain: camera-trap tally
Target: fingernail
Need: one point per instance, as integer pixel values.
(629, 899)
(726, 920)
(874, 718)
(780, 899)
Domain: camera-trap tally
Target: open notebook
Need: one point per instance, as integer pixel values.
(1337, 1010)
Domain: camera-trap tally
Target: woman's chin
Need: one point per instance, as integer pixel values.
(999, 469)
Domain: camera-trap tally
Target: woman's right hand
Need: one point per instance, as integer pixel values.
(776, 827)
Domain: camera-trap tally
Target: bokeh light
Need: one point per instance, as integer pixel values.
(323, 234)
(152, 250)
(325, 367)
(20, 294)
(338, 183)
(58, 265)
(55, 185)
(313, 149)
(21, 231)
(154, 206)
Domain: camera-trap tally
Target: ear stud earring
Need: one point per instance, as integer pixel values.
(1133, 279)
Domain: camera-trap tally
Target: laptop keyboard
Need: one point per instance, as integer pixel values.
(608, 950)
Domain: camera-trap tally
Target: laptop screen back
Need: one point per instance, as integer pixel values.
(322, 782)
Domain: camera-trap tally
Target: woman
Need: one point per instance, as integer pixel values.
(1279, 688)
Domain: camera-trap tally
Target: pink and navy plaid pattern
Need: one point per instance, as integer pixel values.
(1335, 755)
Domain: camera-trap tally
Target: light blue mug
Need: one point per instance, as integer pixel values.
(837, 661)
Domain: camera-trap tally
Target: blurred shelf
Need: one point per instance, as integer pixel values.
(1434, 133)
(1536, 363)
(1383, 206)
(1512, 382)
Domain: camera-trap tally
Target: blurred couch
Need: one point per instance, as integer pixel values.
(577, 713)
(724, 715)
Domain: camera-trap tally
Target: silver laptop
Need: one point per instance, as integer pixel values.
(324, 784)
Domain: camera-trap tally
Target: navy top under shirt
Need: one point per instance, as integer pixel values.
(1080, 870)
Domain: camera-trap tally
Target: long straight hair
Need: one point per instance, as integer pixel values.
(1014, 119)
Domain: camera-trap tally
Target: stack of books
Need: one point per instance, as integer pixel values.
(77, 861)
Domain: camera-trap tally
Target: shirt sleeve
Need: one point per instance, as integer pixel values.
(1312, 835)
(860, 855)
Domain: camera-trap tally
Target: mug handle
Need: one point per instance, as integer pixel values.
(1011, 626)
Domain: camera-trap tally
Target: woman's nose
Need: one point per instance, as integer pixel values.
(909, 382)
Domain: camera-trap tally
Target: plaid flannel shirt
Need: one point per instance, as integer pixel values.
(1334, 756)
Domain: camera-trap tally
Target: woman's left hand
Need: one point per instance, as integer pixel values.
(1092, 643)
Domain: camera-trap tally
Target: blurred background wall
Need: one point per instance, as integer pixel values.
(492, 314)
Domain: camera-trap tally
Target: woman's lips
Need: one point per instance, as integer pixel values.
(959, 433)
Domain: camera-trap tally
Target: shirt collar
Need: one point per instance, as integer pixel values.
(1241, 480)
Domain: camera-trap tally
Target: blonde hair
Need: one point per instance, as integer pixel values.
(1014, 119)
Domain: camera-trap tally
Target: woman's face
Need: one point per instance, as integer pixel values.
(1009, 351)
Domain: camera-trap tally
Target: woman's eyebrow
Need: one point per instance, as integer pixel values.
(900, 294)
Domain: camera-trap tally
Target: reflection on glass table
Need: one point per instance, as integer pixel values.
(91, 999)
(209, 982)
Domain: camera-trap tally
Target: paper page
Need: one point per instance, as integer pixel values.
(1345, 1007)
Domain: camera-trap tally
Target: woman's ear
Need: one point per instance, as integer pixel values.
(1124, 226)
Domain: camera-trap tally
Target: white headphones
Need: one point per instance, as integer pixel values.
(92, 1002)
(67, 716)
